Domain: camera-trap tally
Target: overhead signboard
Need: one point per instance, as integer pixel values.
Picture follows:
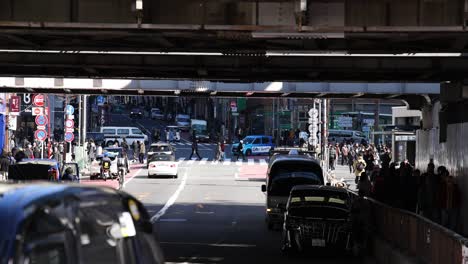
(26, 102)
(12, 122)
(100, 100)
(345, 121)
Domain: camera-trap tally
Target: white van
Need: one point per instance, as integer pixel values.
(131, 134)
(339, 135)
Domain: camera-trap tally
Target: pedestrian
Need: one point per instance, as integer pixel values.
(92, 151)
(240, 150)
(4, 165)
(426, 196)
(28, 152)
(142, 152)
(344, 154)
(350, 161)
(223, 147)
(194, 148)
(218, 151)
(364, 184)
(136, 145)
(449, 199)
(359, 167)
(332, 157)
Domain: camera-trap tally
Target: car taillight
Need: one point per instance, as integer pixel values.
(152, 165)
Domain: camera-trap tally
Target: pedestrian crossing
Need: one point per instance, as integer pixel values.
(206, 161)
(189, 144)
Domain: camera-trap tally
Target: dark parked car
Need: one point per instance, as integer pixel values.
(317, 217)
(284, 172)
(67, 223)
(136, 113)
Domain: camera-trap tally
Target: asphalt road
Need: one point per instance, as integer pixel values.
(214, 212)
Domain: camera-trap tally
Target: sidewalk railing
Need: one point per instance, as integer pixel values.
(417, 236)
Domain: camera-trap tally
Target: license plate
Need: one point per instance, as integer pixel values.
(318, 242)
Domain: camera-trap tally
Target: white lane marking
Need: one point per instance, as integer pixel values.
(190, 162)
(171, 200)
(214, 162)
(227, 162)
(251, 162)
(203, 161)
(131, 178)
(173, 220)
(181, 160)
(263, 162)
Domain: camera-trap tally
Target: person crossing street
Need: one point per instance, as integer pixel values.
(194, 149)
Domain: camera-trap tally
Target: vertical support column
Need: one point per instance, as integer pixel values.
(85, 119)
(325, 134)
(80, 113)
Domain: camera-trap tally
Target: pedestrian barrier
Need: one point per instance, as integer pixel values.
(416, 236)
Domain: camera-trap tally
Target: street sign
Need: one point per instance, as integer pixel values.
(235, 114)
(69, 110)
(41, 120)
(40, 135)
(233, 104)
(69, 123)
(100, 100)
(40, 127)
(70, 130)
(15, 104)
(69, 136)
(12, 122)
(233, 109)
(70, 117)
(38, 100)
(37, 111)
(345, 121)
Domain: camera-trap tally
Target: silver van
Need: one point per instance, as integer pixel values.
(339, 135)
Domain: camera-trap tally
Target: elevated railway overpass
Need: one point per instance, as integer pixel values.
(240, 42)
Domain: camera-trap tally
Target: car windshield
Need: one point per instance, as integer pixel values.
(159, 148)
(248, 140)
(183, 119)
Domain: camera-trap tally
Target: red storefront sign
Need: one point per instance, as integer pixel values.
(15, 104)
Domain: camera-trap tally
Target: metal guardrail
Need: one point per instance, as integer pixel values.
(417, 236)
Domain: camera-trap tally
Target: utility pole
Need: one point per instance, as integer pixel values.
(85, 119)
(325, 134)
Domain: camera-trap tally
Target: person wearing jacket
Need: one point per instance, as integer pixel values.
(359, 167)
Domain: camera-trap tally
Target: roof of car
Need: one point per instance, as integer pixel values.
(288, 157)
(317, 188)
(50, 162)
(157, 144)
(18, 200)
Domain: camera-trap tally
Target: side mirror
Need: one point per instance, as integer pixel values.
(263, 188)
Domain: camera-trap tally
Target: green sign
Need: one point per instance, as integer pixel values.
(235, 113)
(241, 104)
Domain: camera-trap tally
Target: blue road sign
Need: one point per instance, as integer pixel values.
(40, 135)
(69, 110)
(100, 100)
(69, 137)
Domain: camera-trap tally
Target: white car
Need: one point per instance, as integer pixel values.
(162, 165)
(156, 114)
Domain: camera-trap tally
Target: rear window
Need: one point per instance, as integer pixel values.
(284, 176)
(162, 158)
(265, 140)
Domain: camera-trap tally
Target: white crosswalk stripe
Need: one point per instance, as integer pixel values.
(206, 161)
(251, 162)
(181, 160)
(203, 161)
(190, 162)
(227, 162)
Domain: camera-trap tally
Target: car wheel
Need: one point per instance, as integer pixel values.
(175, 176)
(149, 176)
(248, 152)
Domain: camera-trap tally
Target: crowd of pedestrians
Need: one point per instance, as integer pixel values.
(433, 194)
